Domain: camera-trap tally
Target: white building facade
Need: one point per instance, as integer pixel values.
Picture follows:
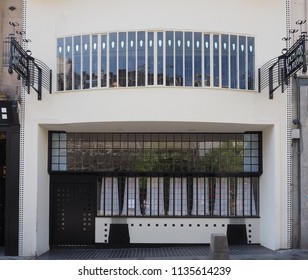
(155, 127)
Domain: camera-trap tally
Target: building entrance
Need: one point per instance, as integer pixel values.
(2, 186)
(73, 213)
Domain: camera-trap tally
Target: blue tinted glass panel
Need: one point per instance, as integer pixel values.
(216, 60)
(104, 61)
(160, 58)
(131, 59)
(122, 59)
(233, 61)
(60, 64)
(188, 59)
(141, 58)
(94, 61)
(242, 62)
(179, 47)
(68, 63)
(197, 59)
(86, 49)
(169, 59)
(251, 63)
(113, 69)
(151, 58)
(225, 61)
(77, 62)
(207, 60)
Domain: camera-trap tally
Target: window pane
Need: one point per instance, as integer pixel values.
(169, 59)
(77, 62)
(179, 58)
(233, 61)
(242, 62)
(113, 42)
(225, 61)
(131, 58)
(197, 60)
(188, 58)
(160, 58)
(141, 59)
(68, 63)
(94, 60)
(150, 58)
(60, 64)
(86, 61)
(207, 60)
(216, 60)
(251, 63)
(104, 61)
(122, 59)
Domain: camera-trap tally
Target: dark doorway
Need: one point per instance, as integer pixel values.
(73, 210)
(2, 186)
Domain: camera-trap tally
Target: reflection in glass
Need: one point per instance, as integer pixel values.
(60, 64)
(94, 60)
(169, 59)
(156, 58)
(113, 43)
(122, 59)
(150, 58)
(104, 61)
(86, 61)
(68, 63)
(242, 62)
(251, 63)
(179, 58)
(131, 59)
(160, 58)
(188, 58)
(216, 60)
(141, 58)
(225, 61)
(207, 60)
(233, 60)
(77, 62)
(197, 59)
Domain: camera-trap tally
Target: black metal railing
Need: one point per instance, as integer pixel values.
(278, 71)
(34, 73)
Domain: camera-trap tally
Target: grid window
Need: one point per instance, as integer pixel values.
(166, 174)
(159, 152)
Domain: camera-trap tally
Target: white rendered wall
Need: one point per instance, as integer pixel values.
(155, 109)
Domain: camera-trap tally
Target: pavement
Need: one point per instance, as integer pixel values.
(196, 252)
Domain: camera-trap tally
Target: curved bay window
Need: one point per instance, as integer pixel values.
(166, 174)
(150, 58)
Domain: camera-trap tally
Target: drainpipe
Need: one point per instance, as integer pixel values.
(299, 172)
